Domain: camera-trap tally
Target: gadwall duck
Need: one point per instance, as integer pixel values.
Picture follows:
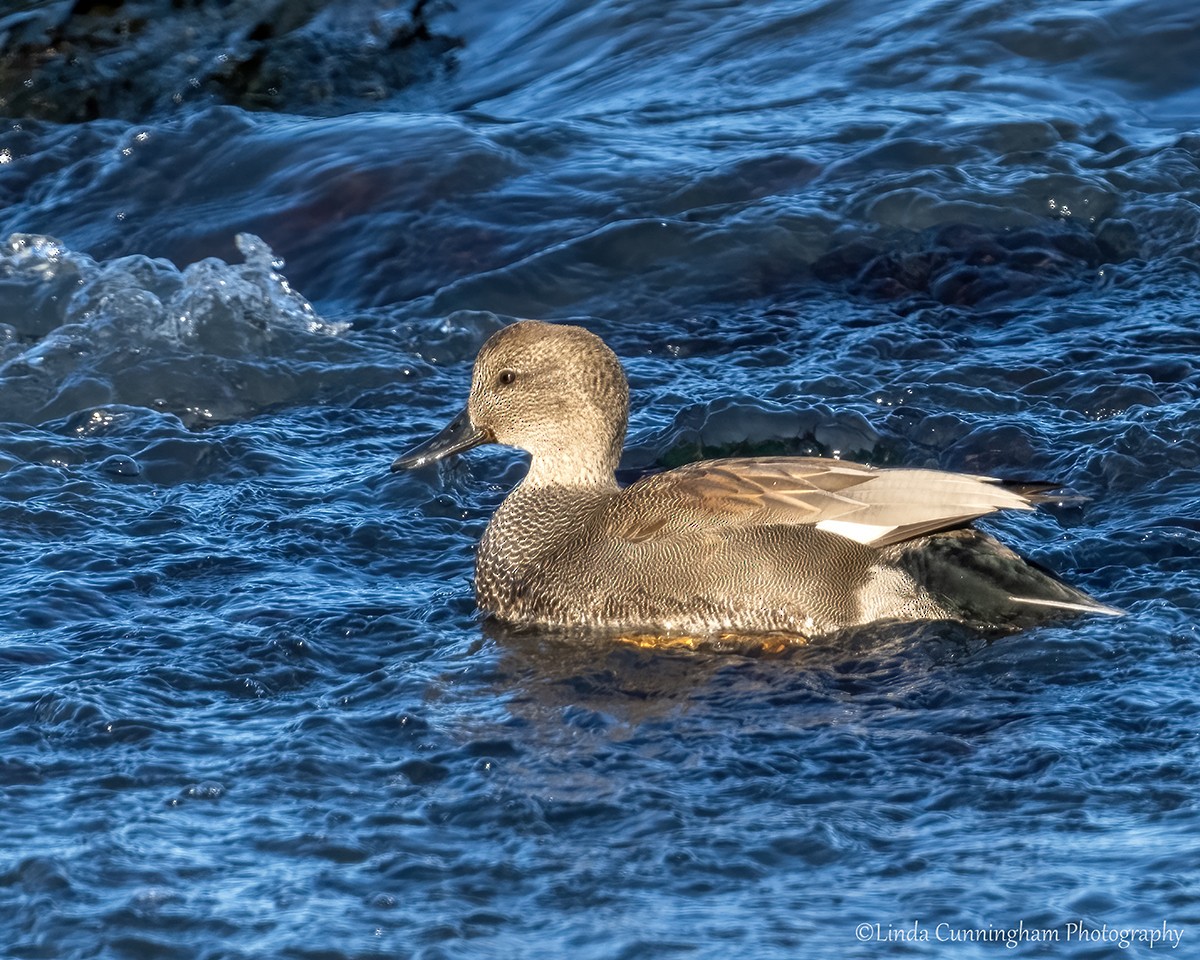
(797, 545)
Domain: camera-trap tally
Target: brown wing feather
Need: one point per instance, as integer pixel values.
(871, 506)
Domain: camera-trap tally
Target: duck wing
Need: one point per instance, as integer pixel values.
(876, 507)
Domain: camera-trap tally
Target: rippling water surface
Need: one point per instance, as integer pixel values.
(247, 706)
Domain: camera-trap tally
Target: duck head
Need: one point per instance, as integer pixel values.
(556, 391)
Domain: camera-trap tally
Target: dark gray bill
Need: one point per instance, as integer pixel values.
(458, 436)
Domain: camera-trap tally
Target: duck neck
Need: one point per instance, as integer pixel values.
(570, 473)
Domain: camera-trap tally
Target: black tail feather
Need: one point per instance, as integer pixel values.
(982, 581)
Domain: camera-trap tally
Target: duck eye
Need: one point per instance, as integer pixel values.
(506, 377)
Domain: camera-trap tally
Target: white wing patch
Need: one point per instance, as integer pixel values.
(865, 533)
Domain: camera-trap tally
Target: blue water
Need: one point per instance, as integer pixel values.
(247, 707)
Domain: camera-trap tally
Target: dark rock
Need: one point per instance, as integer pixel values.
(135, 59)
(965, 264)
(1118, 240)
